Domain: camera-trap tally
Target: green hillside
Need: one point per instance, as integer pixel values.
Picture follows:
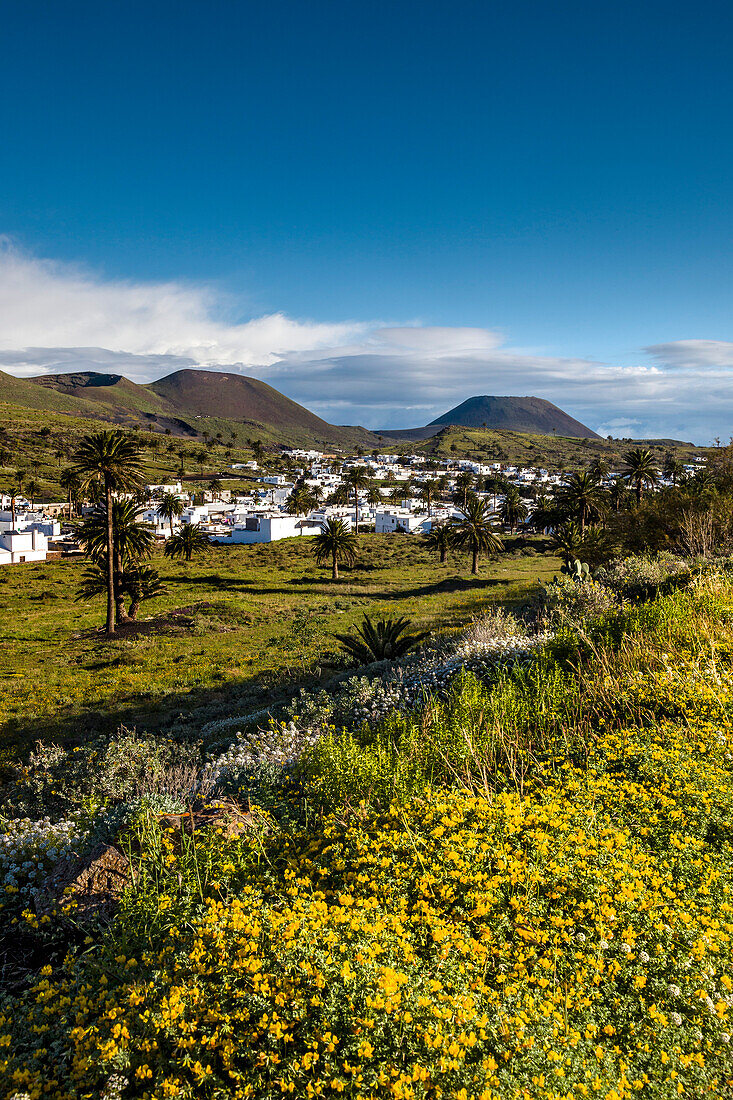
(550, 451)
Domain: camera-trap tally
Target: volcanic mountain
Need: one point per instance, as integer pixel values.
(515, 414)
(185, 403)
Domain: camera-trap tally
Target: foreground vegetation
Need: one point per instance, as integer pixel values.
(517, 886)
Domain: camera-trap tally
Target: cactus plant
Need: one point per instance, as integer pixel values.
(578, 570)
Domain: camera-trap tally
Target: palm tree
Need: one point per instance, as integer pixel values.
(464, 482)
(356, 478)
(215, 487)
(673, 469)
(441, 538)
(32, 488)
(569, 541)
(476, 530)
(544, 514)
(426, 493)
(335, 542)
(599, 468)
(139, 583)
(513, 509)
(170, 508)
(640, 470)
(400, 493)
(374, 495)
(617, 492)
(339, 496)
(189, 540)
(582, 493)
(69, 480)
(382, 641)
(20, 476)
(300, 502)
(132, 540)
(114, 459)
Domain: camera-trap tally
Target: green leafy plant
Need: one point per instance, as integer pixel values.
(383, 640)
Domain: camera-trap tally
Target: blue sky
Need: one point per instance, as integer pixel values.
(381, 208)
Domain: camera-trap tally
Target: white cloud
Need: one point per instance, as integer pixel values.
(59, 318)
(58, 306)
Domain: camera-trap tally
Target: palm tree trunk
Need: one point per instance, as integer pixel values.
(638, 492)
(335, 570)
(356, 511)
(582, 521)
(443, 556)
(110, 627)
(474, 565)
(12, 509)
(120, 612)
(69, 503)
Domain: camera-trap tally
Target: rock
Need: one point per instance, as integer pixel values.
(87, 887)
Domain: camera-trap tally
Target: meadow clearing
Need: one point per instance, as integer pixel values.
(234, 630)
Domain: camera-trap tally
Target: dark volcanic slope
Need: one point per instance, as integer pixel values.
(533, 415)
(237, 397)
(515, 414)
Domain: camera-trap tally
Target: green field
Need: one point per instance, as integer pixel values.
(257, 621)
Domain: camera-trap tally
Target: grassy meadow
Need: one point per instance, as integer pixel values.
(235, 630)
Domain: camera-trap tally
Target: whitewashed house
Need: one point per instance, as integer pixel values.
(17, 547)
(399, 519)
(268, 527)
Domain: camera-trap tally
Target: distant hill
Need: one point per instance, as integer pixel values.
(185, 403)
(513, 414)
(248, 400)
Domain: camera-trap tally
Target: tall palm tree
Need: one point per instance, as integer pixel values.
(32, 488)
(400, 492)
(582, 493)
(356, 479)
(617, 493)
(476, 530)
(114, 459)
(189, 540)
(215, 487)
(464, 482)
(170, 508)
(513, 509)
(132, 541)
(20, 479)
(640, 471)
(69, 480)
(336, 542)
(426, 493)
(673, 469)
(544, 514)
(441, 538)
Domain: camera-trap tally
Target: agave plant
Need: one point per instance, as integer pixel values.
(384, 640)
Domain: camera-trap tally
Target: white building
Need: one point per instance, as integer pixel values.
(399, 519)
(269, 527)
(17, 547)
